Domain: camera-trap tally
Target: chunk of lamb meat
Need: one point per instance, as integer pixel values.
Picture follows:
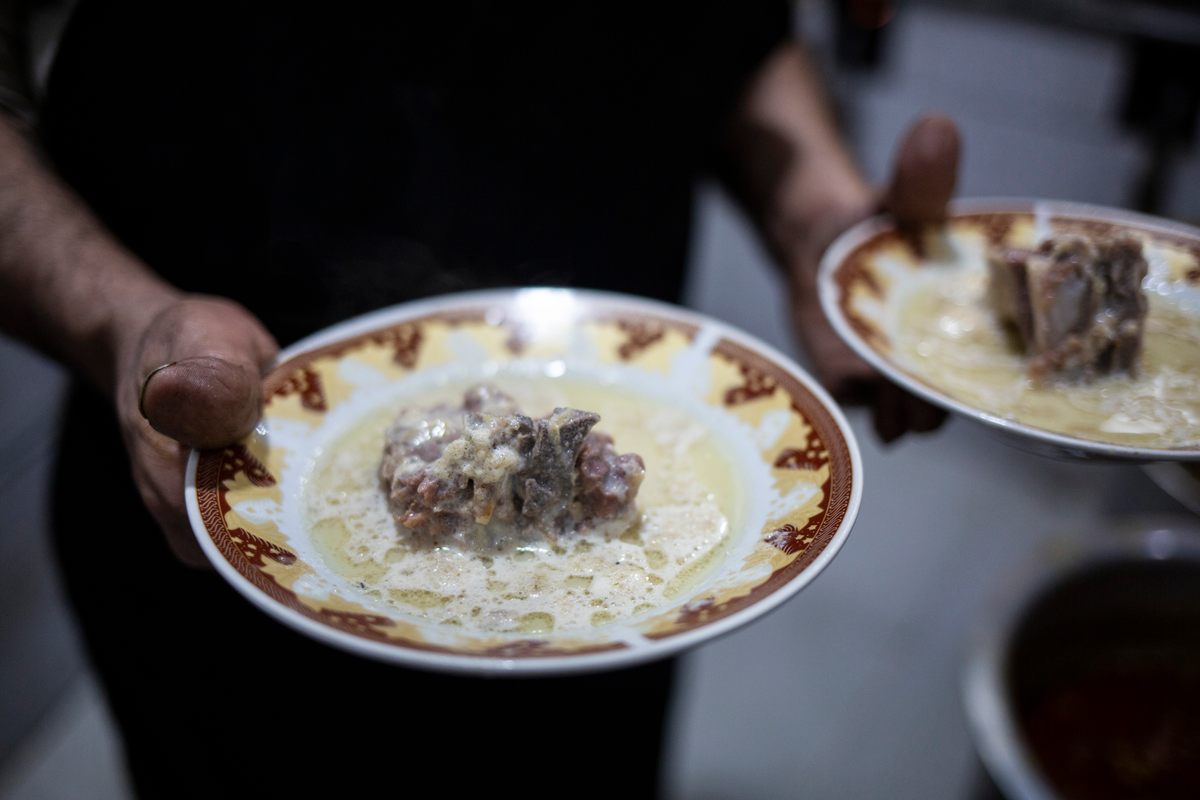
(1075, 303)
(485, 473)
(608, 481)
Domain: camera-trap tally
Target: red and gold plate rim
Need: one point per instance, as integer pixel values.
(242, 557)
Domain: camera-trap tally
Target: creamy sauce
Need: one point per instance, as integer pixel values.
(953, 340)
(687, 503)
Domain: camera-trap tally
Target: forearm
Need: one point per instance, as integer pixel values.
(66, 285)
(784, 158)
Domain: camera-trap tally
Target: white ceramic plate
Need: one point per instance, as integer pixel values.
(796, 462)
(921, 319)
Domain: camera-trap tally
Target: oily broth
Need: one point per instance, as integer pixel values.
(952, 339)
(688, 503)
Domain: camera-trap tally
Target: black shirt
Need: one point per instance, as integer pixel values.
(354, 156)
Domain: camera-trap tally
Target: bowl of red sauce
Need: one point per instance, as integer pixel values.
(1083, 679)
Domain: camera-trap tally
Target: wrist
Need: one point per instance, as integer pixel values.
(813, 208)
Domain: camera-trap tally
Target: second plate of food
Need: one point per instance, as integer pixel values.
(1074, 329)
(528, 482)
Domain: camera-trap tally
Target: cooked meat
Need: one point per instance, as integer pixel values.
(608, 482)
(1075, 303)
(483, 468)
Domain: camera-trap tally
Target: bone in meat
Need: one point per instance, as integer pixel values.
(1075, 303)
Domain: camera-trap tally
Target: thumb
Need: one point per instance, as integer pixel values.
(925, 172)
(202, 362)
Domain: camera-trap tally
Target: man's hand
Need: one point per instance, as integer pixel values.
(786, 162)
(209, 396)
(69, 288)
(922, 184)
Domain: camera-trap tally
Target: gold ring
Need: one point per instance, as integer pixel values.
(146, 382)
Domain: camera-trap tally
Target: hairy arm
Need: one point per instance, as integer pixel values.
(784, 157)
(66, 286)
(786, 162)
(69, 288)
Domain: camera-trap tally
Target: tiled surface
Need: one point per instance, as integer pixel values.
(851, 689)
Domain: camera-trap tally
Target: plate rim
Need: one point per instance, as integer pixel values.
(650, 649)
(1066, 445)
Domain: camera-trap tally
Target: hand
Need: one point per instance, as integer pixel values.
(210, 396)
(922, 184)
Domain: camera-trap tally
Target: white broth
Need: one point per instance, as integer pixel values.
(688, 504)
(953, 340)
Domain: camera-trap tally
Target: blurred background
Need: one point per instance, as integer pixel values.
(852, 688)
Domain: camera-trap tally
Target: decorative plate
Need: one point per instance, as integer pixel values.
(915, 308)
(787, 475)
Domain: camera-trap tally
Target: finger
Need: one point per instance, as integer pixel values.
(924, 417)
(871, 14)
(925, 172)
(846, 377)
(852, 389)
(889, 412)
(210, 392)
(204, 402)
(158, 468)
(181, 539)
